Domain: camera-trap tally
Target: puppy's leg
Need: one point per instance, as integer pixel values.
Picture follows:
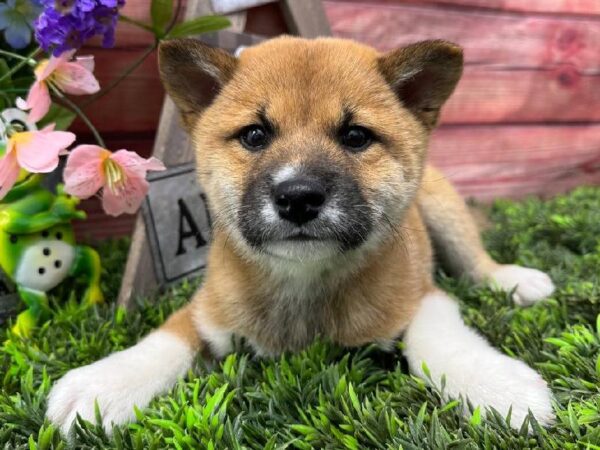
(457, 241)
(127, 378)
(438, 337)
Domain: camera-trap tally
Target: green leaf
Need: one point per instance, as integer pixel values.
(60, 116)
(45, 437)
(32, 444)
(573, 423)
(161, 12)
(475, 419)
(449, 406)
(350, 442)
(303, 429)
(198, 26)
(354, 398)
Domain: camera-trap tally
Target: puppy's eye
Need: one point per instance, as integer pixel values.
(355, 138)
(254, 138)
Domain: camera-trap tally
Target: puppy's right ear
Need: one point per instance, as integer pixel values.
(193, 74)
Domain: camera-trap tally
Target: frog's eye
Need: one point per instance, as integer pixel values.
(59, 235)
(45, 233)
(13, 239)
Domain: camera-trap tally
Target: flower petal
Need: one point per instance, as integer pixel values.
(87, 62)
(40, 154)
(128, 200)
(18, 34)
(48, 128)
(83, 172)
(134, 164)
(38, 100)
(21, 104)
(75, 79)
(54, 63)
(9, 172)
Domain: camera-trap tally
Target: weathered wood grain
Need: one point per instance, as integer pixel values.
(486, 94)
(564, 7)
(487, 37)
(486, 162)
(132, 106)
(495, 94)
(305, 18)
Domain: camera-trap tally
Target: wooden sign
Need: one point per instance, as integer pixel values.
(177, 223)
(170, 238)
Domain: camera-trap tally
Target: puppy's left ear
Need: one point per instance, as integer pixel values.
(423, 75)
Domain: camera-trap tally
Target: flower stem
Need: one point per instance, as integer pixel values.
(72, 106)
(13, 55)
(136, 23)
(24, 61)
(110, 86)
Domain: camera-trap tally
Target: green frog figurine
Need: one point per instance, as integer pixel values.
(38, 249)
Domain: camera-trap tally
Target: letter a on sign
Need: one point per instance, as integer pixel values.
(187, 228)
(177, 223)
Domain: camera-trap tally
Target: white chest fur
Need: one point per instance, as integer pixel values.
(45, 264)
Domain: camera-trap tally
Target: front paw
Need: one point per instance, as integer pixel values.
(77, 391)
(119, 382)
(530, 285)
(509, 384)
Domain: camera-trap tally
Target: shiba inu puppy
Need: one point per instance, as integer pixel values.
(313, 157)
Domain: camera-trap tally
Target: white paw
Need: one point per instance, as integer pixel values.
(119, 382)
(471, 367)
(531, 285)
(505, 382)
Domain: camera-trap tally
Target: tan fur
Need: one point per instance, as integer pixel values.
(181, 324)
(452, 228)
(368, 294)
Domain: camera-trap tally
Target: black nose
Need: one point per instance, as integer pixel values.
(299, 200)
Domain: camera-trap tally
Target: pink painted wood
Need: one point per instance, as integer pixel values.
(488, 37)
(487, 162)
(564, 7)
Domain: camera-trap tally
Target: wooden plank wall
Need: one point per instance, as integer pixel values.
(524, 120)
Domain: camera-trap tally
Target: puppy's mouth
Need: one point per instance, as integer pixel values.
(302, 237)
(301, 247)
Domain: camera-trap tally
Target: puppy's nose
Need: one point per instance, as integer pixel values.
(299, 200)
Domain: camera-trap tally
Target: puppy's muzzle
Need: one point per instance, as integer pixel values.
(299, 200)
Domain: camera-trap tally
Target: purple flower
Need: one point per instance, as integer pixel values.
(68, 24)
(16, 19)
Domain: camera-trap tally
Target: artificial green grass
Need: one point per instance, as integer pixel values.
(328, 397)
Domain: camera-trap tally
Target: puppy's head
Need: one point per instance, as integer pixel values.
(309, 148)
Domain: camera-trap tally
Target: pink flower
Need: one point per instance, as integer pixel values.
(120, 175)
(71, 77)
(34, 151)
